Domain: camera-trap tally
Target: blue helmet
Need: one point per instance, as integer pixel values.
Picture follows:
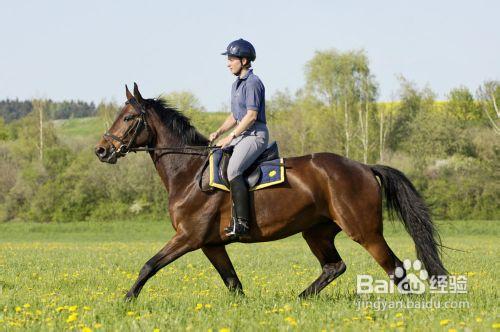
(242, 49)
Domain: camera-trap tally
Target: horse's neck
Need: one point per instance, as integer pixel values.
(176, 170)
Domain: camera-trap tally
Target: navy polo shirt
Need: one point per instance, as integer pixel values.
(247, 93)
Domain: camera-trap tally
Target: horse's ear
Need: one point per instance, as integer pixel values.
(127, 93)
(137, 94)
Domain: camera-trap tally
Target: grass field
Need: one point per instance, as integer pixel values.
(74, 277)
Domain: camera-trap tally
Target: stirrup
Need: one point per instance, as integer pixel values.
(237, 228)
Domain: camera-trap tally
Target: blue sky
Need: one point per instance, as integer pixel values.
(89, 49)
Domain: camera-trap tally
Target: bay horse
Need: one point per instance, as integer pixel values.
(323, 194)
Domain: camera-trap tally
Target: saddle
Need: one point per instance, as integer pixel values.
(267, 170)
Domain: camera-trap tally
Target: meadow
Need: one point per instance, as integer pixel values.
(74, 277)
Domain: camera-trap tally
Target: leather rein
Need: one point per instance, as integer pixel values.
(136, 130)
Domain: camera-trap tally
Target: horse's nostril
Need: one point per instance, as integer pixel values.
(100, 151)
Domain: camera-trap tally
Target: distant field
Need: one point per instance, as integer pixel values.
(79, 128)
(74, 276)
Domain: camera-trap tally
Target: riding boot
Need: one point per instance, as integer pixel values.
(241, 208)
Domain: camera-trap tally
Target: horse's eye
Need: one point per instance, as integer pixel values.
(128, 117)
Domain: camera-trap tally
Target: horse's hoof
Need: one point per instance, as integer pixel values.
(303, 296)
(129, 297)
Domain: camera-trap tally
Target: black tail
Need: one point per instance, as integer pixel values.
(402, 198)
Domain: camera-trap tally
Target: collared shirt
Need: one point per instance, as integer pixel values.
(247, 93)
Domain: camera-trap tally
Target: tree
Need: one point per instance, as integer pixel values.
(412, 102)
(184, 101)
(461, 105)
(39, 106)
(489, 98)
(344, 83)
(3, 130)
(107, 112)
(385, 115)
(368, 93)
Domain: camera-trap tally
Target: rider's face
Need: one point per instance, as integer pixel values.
(234, 64)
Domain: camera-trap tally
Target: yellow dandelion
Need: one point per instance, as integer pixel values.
(130, 313)
(398, 324)
(496, 325)
(156, 330)
(87, 308)
(399, 315)
(225, 329)
(452, 330)
(291, 321)
(27, 305)
(208, 306)
(479, 319)
(18, 309)
(86, 329)
(72, 308)
(198, 306)
(368, 318)
(72, 317)
(444, 322)
(97, 325)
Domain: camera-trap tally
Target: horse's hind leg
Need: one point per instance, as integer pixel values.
(320, 239)
(220, 260)
(385, 257)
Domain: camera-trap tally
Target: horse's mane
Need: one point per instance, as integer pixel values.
(177, 122)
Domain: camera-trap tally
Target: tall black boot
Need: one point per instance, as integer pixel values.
(241, 208)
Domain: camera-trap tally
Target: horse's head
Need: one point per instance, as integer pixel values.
(129, 130)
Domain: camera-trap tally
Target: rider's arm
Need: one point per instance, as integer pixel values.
(228, 124)
(246, 122)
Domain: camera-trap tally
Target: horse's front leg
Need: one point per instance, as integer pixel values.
(220, 260)
(175, 248)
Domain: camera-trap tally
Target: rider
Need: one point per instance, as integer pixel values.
(250, 135)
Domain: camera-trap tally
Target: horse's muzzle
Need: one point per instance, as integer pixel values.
(106, 155)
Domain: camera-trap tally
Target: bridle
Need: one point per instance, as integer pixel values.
(136, 129)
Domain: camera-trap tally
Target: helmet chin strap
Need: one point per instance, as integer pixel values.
(241, 68)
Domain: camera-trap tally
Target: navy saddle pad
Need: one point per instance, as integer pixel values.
(266, 171)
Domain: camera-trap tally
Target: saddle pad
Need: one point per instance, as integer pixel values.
(272, 172)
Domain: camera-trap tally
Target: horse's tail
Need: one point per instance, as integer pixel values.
(402, 198)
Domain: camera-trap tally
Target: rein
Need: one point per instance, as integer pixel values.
(137, 128)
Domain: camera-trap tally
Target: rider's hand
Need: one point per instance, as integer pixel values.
(213, 136)
(225, 141)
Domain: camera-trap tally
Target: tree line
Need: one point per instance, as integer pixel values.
(14, 109)
(449, 149)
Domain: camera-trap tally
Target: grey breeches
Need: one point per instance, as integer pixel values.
(247, 148)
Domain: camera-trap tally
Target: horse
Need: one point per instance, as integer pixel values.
(330, 194)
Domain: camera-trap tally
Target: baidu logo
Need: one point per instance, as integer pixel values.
(415, 282)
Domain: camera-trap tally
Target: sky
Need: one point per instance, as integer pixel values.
(88, 50)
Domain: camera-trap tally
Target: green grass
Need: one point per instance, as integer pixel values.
(79, 128)
(73, 276)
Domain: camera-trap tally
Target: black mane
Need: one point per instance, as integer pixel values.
(177, 122)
